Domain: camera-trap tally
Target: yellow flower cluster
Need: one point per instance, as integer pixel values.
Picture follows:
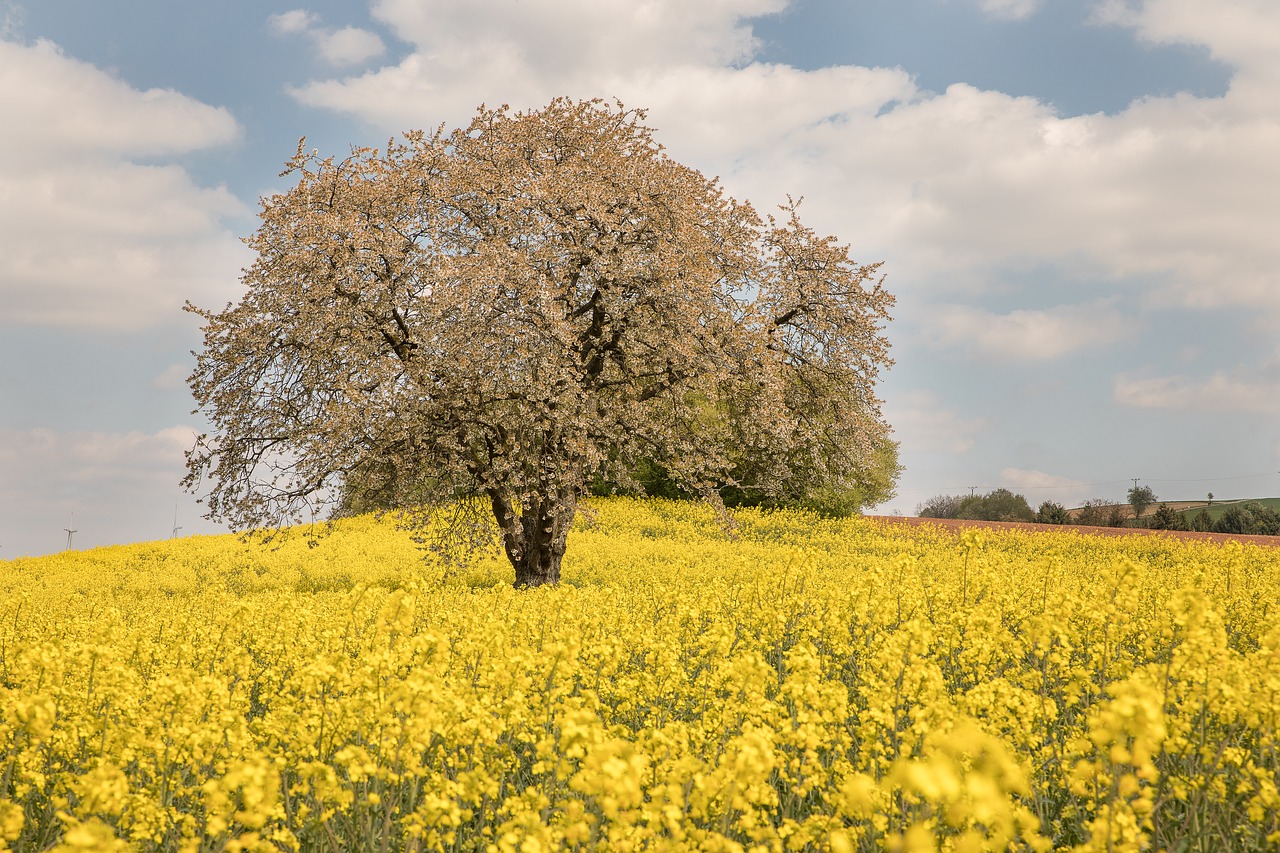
(807, 684)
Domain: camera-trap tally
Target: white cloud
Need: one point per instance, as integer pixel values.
(349, 46)
(1039, 486)
(341, 47)
(563, 39)
(1218, 393)
(923, 425)
(1010, 10)
(1027, 334)
(172, 377)
(1242, 33)
(1175, 193)
(11, 17)
(1026, 478)
(293, 21)
(94, 238)
(1164, 392)
(121, 487)
(55, 106)
(687, 62)
(83, 457)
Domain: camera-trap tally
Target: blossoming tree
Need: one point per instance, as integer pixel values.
(509, 309)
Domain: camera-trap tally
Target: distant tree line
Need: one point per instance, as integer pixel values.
(1249, 517)
(1004, 505)
(998, 505)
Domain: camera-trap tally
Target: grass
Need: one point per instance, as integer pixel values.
(1192, 508)
(1219, 507)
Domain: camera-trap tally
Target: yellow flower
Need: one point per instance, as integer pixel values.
(812, 683)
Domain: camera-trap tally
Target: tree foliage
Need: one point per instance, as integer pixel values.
(1167, 518)
(1249, 517)
(941, 506)
(1097, 512)
(1052, 512)
(872, 483)
(1140, 497)
(517, 307)
(996, 505)
(1201, 522)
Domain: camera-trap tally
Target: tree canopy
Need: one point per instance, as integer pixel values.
(1052, 512)
(517, 307)
(995, 505)
(1140, 497)
(873, 483)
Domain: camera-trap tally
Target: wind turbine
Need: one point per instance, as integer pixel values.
(176, 526)
(70, 528)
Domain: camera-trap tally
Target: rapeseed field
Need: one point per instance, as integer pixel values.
(809, 684)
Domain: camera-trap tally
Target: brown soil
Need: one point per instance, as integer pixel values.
(957, 525)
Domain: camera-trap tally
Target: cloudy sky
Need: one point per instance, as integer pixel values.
(1075, 201)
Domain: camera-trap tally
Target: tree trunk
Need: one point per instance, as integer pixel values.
(535, 539)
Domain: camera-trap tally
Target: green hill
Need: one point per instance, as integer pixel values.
(1192, 508)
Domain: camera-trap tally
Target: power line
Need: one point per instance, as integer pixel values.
(1215, 479)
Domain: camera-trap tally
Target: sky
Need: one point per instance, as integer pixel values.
(1075, 202)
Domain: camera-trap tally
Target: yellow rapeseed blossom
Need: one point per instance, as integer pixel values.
(808, 684)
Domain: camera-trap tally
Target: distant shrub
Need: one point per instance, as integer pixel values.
(996, 505)
(941, 506)
(1250, 518)
(1052, 512)
(1097, 512)
(1167, 518)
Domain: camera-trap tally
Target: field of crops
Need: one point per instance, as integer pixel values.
(810, 684)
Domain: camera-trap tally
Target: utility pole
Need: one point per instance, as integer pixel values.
(70, 528)
(972, 489)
